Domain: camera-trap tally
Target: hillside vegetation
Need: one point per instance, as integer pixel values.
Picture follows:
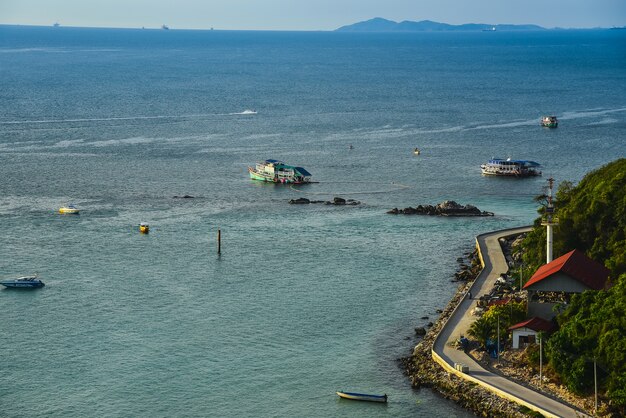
(592, 218)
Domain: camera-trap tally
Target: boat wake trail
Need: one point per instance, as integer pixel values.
(504, 125)
(125, 118)
(592, 113)
(245, 112)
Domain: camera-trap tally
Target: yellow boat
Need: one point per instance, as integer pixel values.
(69, 210)
(144, 228)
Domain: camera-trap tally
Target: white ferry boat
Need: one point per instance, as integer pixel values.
(275, 171)
(511, 168)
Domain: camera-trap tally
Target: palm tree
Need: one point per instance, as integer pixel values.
(482, 330)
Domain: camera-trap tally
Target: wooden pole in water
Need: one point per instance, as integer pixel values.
(219, 241)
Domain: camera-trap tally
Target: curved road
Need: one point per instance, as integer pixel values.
(461, 319)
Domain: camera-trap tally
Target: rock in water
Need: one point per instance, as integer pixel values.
(300, 201)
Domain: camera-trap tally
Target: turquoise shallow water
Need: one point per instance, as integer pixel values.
(304, 300)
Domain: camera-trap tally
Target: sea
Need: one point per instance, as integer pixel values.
(303, 300)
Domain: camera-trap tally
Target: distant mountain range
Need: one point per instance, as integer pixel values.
(378, 24)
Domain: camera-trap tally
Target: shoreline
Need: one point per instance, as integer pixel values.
(423, 371)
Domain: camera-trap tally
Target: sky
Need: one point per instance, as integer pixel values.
(308, 14)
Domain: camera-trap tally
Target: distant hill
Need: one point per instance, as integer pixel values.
(379, 24)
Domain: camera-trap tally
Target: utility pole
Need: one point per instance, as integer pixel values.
(549, 221)
(595, 385)
(498, 343)
(540, 361)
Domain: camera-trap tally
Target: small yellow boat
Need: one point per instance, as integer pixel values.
(144, 228)
(69, 210)
(417, 151)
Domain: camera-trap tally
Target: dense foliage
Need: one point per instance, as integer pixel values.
(592, 218)
(593, 327)
(486, 327)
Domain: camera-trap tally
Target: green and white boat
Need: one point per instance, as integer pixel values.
(549, 122)
(275, 171)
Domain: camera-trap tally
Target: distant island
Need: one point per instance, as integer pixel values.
(378, 24)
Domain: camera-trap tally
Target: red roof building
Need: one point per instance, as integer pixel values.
(573, 272)
(535, 324)
(526, 332)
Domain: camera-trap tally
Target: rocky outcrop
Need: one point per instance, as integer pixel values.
(338, 201)
(445, 208)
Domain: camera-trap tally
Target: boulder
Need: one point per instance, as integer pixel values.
(300, 201)
(420, 331)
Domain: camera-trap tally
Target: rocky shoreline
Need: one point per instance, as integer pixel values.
(423, 371)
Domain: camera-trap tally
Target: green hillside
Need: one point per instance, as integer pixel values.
(592, 218)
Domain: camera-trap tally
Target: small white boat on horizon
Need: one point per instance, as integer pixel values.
(249, 112)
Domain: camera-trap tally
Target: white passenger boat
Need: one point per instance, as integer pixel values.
(275, 171)
(510, 168)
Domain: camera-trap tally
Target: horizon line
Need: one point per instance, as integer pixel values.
(58, 25)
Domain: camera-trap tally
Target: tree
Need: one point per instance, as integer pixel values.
(486, 327)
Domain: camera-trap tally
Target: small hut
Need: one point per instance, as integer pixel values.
(525, 333)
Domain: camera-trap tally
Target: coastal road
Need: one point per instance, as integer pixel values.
(461, 319)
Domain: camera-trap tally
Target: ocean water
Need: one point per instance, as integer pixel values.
(304, 300)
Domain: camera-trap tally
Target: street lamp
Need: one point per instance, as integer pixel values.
(540, 362)
(595, 387)
(498, 342)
